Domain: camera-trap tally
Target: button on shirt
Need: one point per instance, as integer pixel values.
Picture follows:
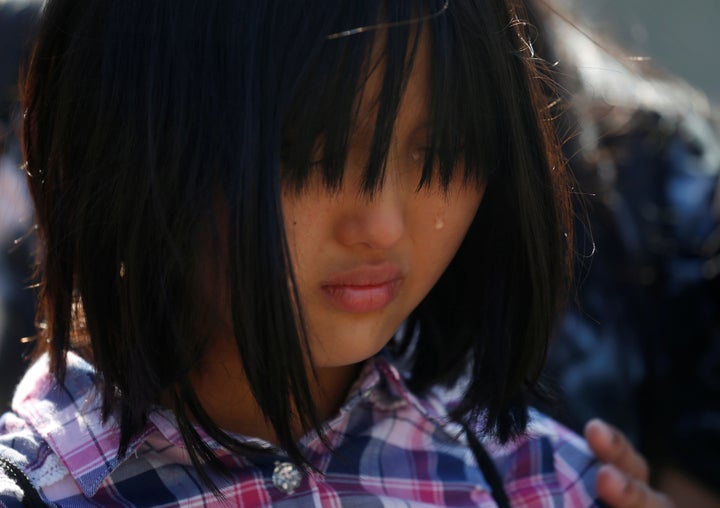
(391, 448)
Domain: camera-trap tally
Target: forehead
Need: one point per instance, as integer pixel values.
(415, 92)
(371, 91)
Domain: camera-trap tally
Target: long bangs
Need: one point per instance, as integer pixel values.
(463, 115)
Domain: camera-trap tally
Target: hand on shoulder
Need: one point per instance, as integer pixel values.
(622, 480)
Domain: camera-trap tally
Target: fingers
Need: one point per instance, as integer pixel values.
(612, 447)
(622, 481)
(621, 491)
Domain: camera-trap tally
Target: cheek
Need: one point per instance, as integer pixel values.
(307, 229)
(440, 224)
(304, 220)
(447, 217)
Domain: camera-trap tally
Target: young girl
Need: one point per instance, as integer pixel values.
(292, 253)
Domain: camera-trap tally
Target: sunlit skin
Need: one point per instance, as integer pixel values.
(361, 263)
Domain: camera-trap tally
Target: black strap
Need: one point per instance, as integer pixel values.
(489, 471)
(31, 497)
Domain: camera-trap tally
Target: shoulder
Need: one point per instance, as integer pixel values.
(23, 450)
(548, 464)
(28, 433)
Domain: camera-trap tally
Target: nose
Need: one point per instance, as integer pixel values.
(376, 222)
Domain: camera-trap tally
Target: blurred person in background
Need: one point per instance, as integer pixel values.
(640, 346)
(17, 301)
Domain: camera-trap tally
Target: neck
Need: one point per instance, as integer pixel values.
(225, 394)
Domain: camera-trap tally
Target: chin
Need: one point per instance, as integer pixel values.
(351, 354)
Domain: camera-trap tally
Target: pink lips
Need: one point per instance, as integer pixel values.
(367, 288)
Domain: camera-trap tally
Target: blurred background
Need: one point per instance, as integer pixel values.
(680, 36)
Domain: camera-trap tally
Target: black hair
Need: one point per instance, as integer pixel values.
(145, 121)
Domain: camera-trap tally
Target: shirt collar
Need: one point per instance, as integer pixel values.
(69, 417)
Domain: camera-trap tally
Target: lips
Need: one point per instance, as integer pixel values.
(367, 288)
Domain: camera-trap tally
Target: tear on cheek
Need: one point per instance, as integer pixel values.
(439, 222)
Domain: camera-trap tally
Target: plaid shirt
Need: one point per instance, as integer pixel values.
(392, 448)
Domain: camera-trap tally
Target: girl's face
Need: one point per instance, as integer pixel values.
(363, 264)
